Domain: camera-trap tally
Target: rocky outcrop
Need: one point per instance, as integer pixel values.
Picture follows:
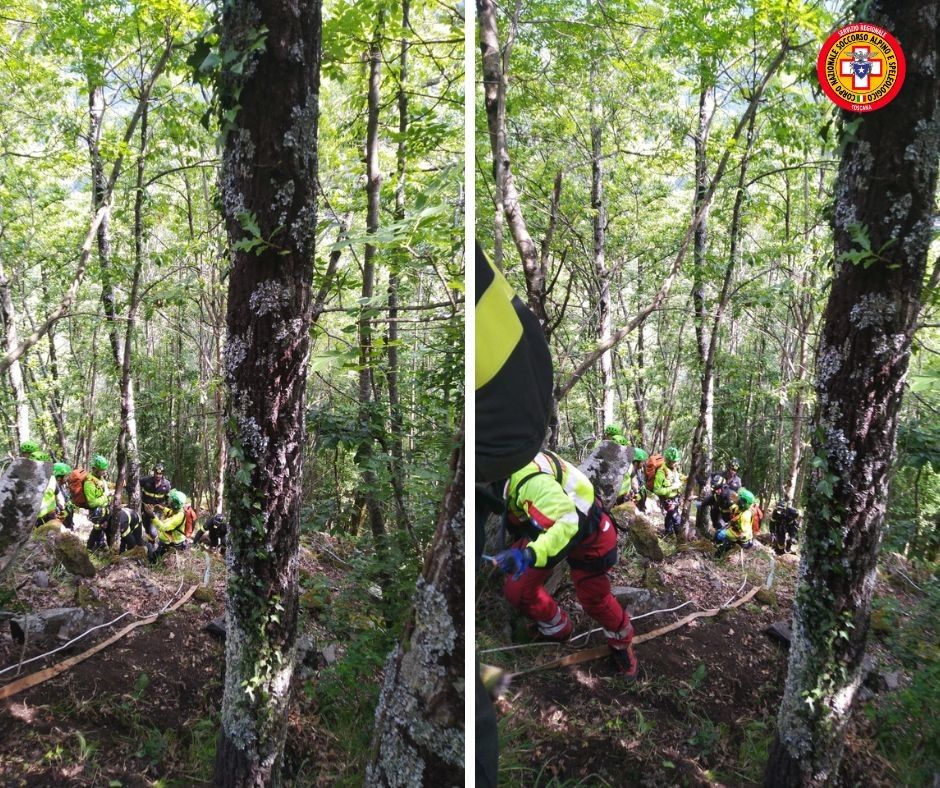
(21, 489)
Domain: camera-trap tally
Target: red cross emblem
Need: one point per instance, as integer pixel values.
(860, 67)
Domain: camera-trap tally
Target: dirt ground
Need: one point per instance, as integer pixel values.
(703, 709)
(145, 710)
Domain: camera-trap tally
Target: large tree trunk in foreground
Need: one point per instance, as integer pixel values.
(419, 731)
(885, 190)
(268, 194)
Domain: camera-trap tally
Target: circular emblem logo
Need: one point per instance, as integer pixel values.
(861, 67)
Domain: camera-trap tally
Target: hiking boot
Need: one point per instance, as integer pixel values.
(625, 662)
(558, 630)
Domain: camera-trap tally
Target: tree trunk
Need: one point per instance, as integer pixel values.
(703, 438)
(10, 341)
(885, 190)
(128, 460)
(494, 93)
(99, 198)
(268, 182)
(599, 215)
(419, 731)
(396, 419)
(366, 500)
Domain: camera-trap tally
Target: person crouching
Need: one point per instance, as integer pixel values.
(552, 512)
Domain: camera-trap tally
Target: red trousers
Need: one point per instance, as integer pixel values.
(529, 597)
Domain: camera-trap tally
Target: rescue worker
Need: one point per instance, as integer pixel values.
(49, 508)
(553, 513)
(716, 486)
(130, 527)
(666, 486)
(633, 487)
(612, 432)
(97, 501)
(61, 471)
(171, 528)
(212, 532)
(784, 523)
(732, 480)
(512, 356)
(28, 448)
(154, 490)
(740, 530)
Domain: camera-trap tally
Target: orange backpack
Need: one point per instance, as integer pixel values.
(757, 514)
(76, 484)
(652, 465)
(189, 520)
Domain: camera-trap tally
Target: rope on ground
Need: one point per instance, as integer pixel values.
(63, 647)
(632, 618)
(586, 655)
(44, 675)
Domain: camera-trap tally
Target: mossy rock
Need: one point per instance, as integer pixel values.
(138, 554)
(47, 532)
(204, 594)
(85, 597)
(883, 622)
(645, 539)
(767, 596)
(651, 579)
(71, 553)
(314, 600)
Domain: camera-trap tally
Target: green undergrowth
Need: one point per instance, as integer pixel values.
(122, 723)
(906, 723)
(364, 613)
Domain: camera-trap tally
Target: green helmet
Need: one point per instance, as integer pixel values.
(640, 456)
(61, 469)
(745, 497)
(671, 454)
(27, 447)
(619, 440)
(40, 456)
(613, 429)
(177, 499)
(99, 463)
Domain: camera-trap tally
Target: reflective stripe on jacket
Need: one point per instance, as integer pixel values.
(554, 510)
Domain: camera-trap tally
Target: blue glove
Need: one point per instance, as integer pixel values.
(514, 561)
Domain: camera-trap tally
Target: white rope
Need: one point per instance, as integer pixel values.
(521, 645)
(60, 648)
(88, 632)
(205, 579)
(632, 618)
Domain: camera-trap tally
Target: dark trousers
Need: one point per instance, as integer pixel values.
(673, 515)
(97, 539)
(129, 525)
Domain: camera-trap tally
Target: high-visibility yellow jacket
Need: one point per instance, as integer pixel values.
(49, 498)
(546, 510)
(741, 528)
(170, 529)
(668, 482)
(513, 377)
(96, 492)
